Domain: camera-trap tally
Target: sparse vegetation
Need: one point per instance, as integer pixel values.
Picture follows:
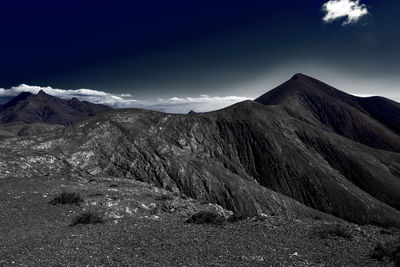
(335, 231)
(389, 251)
(88, 217)
(206, 217)
(65, 198)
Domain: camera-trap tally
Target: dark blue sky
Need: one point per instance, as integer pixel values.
(185, 48)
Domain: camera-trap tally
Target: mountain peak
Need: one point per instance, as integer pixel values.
(302, 78)
(22, 96)
(320, 104)
(42, 93)
(297, 87)
(299, 76)
(74, 100)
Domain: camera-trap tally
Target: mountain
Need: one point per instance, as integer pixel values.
(287, 156)
(373, 121)
(42, 108)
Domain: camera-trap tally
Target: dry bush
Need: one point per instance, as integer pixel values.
(67, 198)
(206, 217)
(335, 231)
(389, 251)
(87, 217)
(236, 217)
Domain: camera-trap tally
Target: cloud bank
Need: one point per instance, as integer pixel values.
(352, 10)
(202, 103)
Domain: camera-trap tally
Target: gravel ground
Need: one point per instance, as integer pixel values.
(145, 226)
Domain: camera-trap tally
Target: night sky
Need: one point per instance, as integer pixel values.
(179, 49)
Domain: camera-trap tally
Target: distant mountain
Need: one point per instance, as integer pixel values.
(192, 112)
(373, 121)
(28, 108)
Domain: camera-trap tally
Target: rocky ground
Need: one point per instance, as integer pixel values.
(145, 226)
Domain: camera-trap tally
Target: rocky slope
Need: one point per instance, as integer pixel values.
(248, 158)
(373, 121)
(27, 108)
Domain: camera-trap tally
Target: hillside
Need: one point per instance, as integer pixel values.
(27, 108)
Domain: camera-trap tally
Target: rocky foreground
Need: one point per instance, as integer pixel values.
(143, 225)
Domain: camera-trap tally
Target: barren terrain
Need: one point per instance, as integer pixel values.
(145, 225)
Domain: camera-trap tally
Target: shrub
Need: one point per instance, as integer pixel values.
(236, 217)
(168, 207)
(87, 217)
(389, 251)
(67, 198)
(337, 230)
(206, 217)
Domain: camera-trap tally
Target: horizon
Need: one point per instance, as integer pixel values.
(181, 105)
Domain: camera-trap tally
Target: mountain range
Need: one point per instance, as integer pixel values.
(303, 149)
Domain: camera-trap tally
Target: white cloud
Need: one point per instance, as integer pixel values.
(201, 103)
(352, 10)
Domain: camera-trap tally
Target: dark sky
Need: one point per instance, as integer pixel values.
(187, 48)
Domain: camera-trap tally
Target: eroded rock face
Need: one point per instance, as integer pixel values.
(248, 158)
